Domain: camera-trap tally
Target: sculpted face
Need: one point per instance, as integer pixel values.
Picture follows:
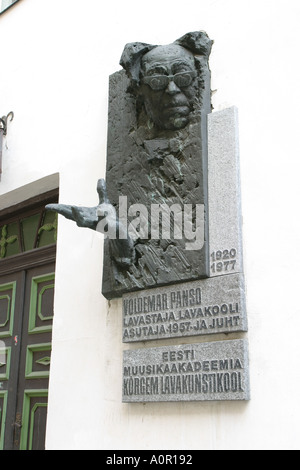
(168, 85)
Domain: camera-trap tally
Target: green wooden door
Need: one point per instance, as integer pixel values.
(26, 312)
(26, 318)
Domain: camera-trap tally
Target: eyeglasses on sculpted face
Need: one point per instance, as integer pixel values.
(160, 82)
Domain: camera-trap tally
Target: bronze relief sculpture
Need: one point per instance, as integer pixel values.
(153, 202)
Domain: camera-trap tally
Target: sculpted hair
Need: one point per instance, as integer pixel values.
(196, 42)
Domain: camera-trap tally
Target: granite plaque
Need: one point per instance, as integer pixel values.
(208, 306)
(196, 372)
(224, 194)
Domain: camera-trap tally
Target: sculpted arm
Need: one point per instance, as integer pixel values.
(99, 218)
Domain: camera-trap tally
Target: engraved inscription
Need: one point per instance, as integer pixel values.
(185, 310)
(207, 371)
(223, 261)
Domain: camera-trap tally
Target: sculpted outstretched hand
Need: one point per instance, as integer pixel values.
(122, 250)
(85, 216)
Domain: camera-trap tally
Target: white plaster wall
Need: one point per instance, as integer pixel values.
(54, 76)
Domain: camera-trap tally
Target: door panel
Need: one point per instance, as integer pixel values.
(41, 304)
(34, 420)
(7, 308)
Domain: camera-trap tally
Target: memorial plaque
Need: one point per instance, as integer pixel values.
(196, 372)
(215, 305)
(170, 205)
